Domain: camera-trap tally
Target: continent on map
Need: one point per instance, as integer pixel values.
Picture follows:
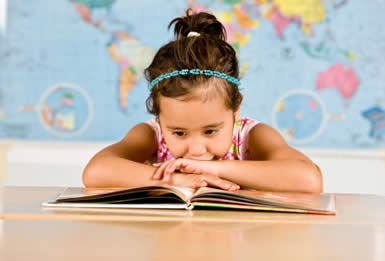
(132, 58)
(376, 117)
(85, 8)
(345, 81)
(304, 13)
(124, 49)
(243, 17)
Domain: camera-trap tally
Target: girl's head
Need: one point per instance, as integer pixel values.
(206, 51)
(199, 106)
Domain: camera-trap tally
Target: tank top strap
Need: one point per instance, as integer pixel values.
(163, 153)
(239, 147)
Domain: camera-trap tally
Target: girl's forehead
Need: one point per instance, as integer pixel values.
(181, 104)
(193, 112)
(206, 90)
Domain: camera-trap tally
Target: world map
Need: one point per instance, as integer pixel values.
(312, 69)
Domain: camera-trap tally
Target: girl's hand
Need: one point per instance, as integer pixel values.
(185, 166)
(192, 173)
(201, 180)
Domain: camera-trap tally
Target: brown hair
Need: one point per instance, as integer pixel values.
(208, 51)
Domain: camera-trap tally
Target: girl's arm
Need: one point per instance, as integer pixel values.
(121, 165)
(273, 165)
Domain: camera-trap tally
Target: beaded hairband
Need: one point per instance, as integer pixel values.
(194, 72)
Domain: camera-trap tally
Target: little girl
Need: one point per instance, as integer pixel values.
(198, 137)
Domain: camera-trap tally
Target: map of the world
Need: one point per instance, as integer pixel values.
(313, 69)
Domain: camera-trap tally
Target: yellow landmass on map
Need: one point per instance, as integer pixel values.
(226, 17)
(126, 83)
(351, 56)
(244, 68)
(310, 11)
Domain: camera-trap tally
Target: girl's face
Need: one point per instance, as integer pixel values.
(195, 128)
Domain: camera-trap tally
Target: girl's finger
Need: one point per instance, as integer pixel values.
(186, 167)
(170, 169)
(201, 184)
(196, 181)
(159, 172)
(221, 183)
(234, 187)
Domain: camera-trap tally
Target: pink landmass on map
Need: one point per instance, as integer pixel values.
(67, 102)
(85, 13)
(230, 30)
(312, 104)
(279, 21)
(345, 81)
(200, 8)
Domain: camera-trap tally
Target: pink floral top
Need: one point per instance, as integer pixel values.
(238, 149)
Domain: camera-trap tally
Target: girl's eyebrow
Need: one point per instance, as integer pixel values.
(213, 125)
(175, 128)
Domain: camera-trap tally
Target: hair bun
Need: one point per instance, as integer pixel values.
(202, 23)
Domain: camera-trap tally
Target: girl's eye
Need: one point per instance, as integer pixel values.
(179, 133)
(210, 132)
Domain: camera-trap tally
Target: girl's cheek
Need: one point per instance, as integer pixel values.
(176, 149)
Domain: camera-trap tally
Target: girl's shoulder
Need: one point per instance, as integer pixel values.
(142, 130)
(154, 123)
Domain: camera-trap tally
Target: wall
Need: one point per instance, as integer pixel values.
(61, 164)
(342, 122)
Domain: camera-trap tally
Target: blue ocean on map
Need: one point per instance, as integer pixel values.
(72, 70)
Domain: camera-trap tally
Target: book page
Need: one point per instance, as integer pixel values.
(79, 194)
(280, 199)
(186, 192)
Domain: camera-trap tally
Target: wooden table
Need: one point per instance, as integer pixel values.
(28, 232)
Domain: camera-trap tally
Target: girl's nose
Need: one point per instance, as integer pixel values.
(197, 149)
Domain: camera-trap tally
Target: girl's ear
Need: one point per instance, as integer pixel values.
(237, 113)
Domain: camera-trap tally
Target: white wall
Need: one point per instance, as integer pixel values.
(61, 164)
(351, 171)
(47, 163)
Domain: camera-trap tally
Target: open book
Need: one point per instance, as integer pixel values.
(170, 197)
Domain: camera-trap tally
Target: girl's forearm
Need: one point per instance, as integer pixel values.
(117, 172)
(273, 175)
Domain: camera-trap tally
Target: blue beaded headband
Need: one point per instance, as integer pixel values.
(194, 72)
